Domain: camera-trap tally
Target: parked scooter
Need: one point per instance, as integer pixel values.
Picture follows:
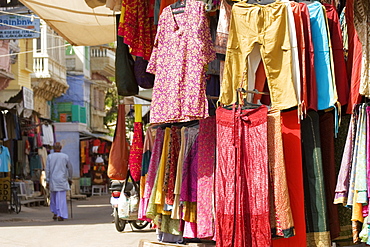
(116, 189)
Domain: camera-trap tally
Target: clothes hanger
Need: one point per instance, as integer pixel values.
(261, 2)
(177, 5)
(305, 1)
(192, 123)
(246, 104)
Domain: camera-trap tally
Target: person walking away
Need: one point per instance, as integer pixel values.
(59, 179)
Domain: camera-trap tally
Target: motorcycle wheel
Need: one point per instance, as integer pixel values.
(119, 223)
(139, 224)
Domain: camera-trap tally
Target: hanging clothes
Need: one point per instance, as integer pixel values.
(361, 159)
(340, 143)
(190, 168)
(361, 21)
(326, 121)
(309, 60)
(171, 166)
(340, 70)
(326, 88)
(223, 25)
(10, 123)
(315, 200)
(354, 60)
(5, 160)
(155, 206)
(357, 113)
(183, 47)
(42, 152)
(281, 221)
(137, 28)
(241, 194)
(342, 187)
(152, 171)
(301, 47)
(189, 186)
(147, 154)
(157, 209)
(275, 52)
(136, 150)
(296, 74)
(47, 135)
(291, 133)
(206, 169)
(176, 210)
(119, 153)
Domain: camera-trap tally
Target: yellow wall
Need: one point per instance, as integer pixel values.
(22, 74)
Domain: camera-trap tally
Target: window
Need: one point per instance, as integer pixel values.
(38, 45)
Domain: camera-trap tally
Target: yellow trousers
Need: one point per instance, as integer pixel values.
(264, 26)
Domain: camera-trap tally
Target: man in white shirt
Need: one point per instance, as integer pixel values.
(59, 178)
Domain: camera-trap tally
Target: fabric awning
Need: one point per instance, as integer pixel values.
(75, 21)
(87, 135)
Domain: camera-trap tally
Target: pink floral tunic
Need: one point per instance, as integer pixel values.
(182, 49)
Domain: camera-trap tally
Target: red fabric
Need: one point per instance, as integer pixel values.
(96, 142)
(138, 28)
(118, 156)
(151, 8)
(206, 170)
(293, 163)
(354, 59)
(87, 153)
(102, 149)
(171, 167)
(340, 70)
(136, 151)
(309, 74)
(241, 179)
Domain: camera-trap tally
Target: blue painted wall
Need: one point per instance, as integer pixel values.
(70, 141)
(75, 93)
(78, 93)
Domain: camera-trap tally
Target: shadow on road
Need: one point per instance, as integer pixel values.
(93, 210)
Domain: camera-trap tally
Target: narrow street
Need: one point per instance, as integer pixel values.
(91, 225)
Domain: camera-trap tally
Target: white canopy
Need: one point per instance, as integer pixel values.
(75, 21)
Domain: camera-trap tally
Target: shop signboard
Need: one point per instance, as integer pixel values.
(27, 98)
(19, 27)
(5, 189)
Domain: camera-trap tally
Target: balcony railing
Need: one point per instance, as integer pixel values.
(45, 67)
(102, 61)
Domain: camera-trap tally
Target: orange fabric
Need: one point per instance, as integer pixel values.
(282, 220)
(293, 163)
(357, 209)
(119, 152)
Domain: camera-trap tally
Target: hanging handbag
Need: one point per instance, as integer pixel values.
(125, 76)
(143, 78)
(128, 202)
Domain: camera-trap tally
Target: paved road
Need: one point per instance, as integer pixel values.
(91, 225)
